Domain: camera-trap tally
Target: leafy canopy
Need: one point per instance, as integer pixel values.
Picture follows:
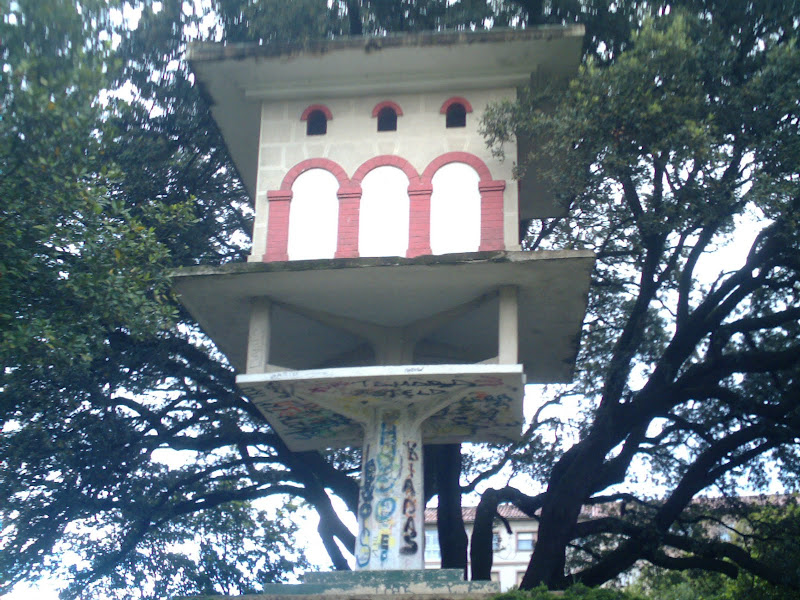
(689, 358)
(681, 126)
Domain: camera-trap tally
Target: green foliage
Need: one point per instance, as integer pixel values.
(771, 534)
(74, 263)
(230, 549)
(98, 202)
(269, 21)
(679, 126)
(658, 584)
(689, 371)
(575, 592)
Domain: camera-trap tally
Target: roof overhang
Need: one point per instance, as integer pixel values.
(394, 292)
(313, 410)
(238, 77)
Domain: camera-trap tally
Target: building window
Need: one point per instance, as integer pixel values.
(456, 115)
(387, 113)
(497, 541)
(525, 541)
(384, 213)
(455, 217)
(520, 575)
(432, 551)
(317, 123)
(387, 119)
(455, 110)
(495, 576)
(313, 216)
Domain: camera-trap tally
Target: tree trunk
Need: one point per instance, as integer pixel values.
(354, 17)
(571, 483)
(450, 521)
(481, 553)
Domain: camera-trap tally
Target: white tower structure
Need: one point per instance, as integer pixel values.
(387, 303)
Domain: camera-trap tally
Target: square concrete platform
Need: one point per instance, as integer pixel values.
(430, 584)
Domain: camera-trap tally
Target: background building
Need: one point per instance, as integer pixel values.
(512, 551)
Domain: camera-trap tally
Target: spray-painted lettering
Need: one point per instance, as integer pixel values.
(389, 462)
(410, 545)
(385, 509)
(368, 486)
(409, 537)
(384, 546)
(364, 551)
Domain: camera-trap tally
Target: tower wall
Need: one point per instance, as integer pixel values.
(352, 139)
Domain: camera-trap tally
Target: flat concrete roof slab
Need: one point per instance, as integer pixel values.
(394, 292)
(314, 410)
(236, 78)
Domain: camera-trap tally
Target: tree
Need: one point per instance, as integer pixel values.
(769, 533)
(98, 202)
(660, 153)
(102, 370)
(699, 392)
(229, 549)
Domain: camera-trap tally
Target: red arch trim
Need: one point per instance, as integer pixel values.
(314, 163)
(455, 100)
(386, 160)
(325, 110)
(457, 157)
(387, 104)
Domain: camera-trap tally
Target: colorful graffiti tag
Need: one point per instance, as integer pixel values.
(367, 487)
(332, 413)
(364, 550)
(410, 545)
(389, 462)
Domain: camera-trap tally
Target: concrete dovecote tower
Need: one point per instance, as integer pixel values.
(386, 303)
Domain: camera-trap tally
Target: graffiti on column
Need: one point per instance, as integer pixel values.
(385, 509)
(364, 551)
(389, 467)
(384, 546)
(410, 545)
(368, 486)
(389, 461)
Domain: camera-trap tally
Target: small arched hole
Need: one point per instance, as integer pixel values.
(387, 119)
(317, 123)
(456, 115)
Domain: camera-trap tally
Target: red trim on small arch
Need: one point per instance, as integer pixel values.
(314, 163)
(386, 160)
(455, 100)
(460, 157)
(325, 110)
(387, 104)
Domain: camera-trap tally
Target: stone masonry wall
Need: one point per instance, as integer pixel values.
(352, 139)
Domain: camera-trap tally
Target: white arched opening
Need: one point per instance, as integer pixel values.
(455, 210)
(313, 216)
(383, 217)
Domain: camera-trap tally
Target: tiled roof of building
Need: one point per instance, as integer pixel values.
(507, 511)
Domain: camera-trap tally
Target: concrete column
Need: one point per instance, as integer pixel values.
(258, 336)
(391, 511)
(507, 326)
